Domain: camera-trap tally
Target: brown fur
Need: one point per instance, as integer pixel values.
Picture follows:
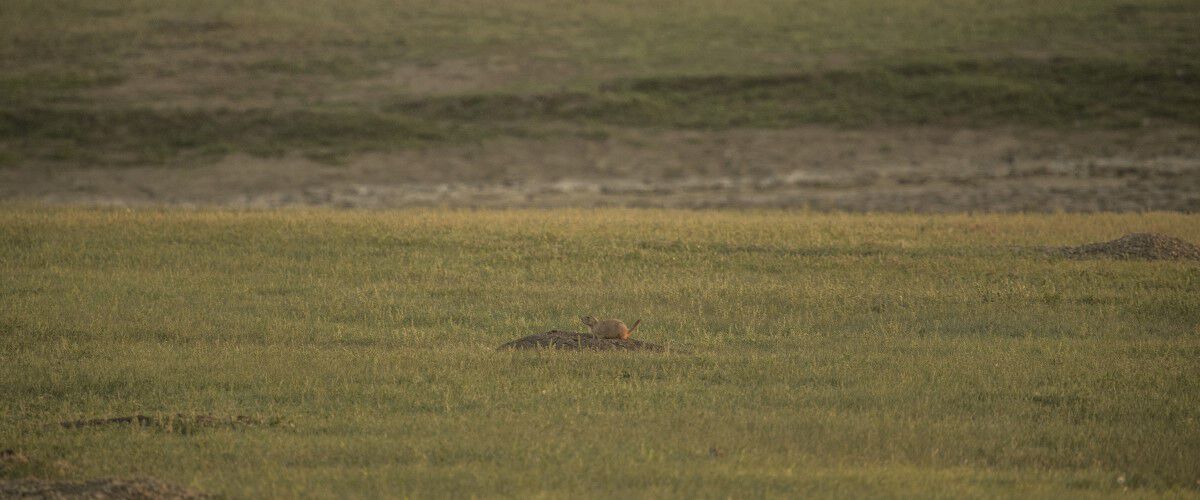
(609, 328)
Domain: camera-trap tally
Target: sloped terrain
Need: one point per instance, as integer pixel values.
(1145, 246)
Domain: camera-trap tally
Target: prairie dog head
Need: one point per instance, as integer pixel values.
(590, 321)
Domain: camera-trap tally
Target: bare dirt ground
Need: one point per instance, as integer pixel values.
(902, 169)
(556, 339)
(1145, 246)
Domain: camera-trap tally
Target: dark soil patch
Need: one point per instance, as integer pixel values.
(555, 339)
(1145, 246)
(110, 488)
(178, 422)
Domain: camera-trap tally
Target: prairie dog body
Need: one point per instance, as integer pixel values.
(609, 328)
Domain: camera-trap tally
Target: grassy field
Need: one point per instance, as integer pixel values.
(148, 82)
(831, 355)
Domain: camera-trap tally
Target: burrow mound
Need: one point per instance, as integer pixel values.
(1146, 246)
(141, 488)
(555, 339)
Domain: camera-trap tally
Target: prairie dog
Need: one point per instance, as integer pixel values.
(609, 328)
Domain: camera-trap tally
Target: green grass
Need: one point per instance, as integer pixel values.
(830, 355)
(1058, 94)
(418, 72)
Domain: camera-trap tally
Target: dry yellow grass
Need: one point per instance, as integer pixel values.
(830, 355)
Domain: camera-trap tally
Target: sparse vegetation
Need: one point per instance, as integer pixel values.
(830, 355)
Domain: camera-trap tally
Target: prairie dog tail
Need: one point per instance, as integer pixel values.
(634, 327)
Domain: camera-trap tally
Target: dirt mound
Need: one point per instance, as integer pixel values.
(555, 339)
(1147, 246)
(110, 488)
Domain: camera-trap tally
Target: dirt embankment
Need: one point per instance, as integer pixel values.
(902, 169)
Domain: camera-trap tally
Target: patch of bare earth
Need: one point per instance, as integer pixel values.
(260, 78)
(108, 488)
(445, 77)
(1143, 246)
(578, 341)
(899, 169)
